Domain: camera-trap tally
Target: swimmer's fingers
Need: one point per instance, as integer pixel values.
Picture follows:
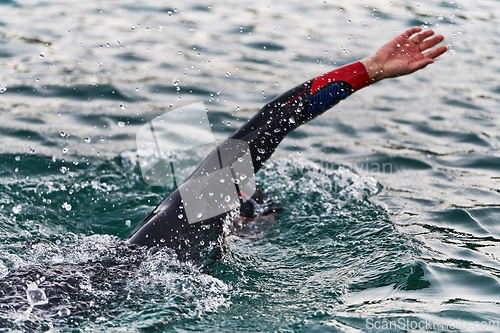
(422, 36)
(410, 51)
(430, 43)
(428, 58)
(410, 32)
(434, 53)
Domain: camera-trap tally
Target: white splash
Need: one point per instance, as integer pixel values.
(35, 296)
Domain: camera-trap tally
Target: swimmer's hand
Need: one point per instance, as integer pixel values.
(404, 55)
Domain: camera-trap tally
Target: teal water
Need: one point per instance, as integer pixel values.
(392, 197)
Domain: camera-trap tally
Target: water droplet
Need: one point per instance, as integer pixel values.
(122, 106)
(18, 158)
(222, 180)
(175, 82)
(63, 169)
(41, 55)
(199, 215)
(62, 134)
(202, 243)
(128, 223)
(87, 140)
(17, 209)
(65, 150)
(261, 151)
(32, 150)
(398, 45)
(277, 130)
(227, 198)
(3, 89)
(36, 296)
(66, 206)
(292, 120)
(228, 73)
(180, 216)
(243, 176)
(121, 124)
(64, 312)
(162, 240)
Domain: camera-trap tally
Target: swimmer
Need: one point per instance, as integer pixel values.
(167, 225)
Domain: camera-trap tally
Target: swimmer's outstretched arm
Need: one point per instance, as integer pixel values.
(167, 225)
(402, 55)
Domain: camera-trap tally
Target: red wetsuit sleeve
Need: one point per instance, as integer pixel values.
(355, 74)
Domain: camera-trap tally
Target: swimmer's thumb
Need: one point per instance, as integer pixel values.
(415, 66)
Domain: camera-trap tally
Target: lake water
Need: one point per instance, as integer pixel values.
(392, 219)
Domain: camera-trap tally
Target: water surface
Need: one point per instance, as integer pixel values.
(391, 197)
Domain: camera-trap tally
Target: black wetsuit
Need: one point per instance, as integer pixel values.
(168, 225)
